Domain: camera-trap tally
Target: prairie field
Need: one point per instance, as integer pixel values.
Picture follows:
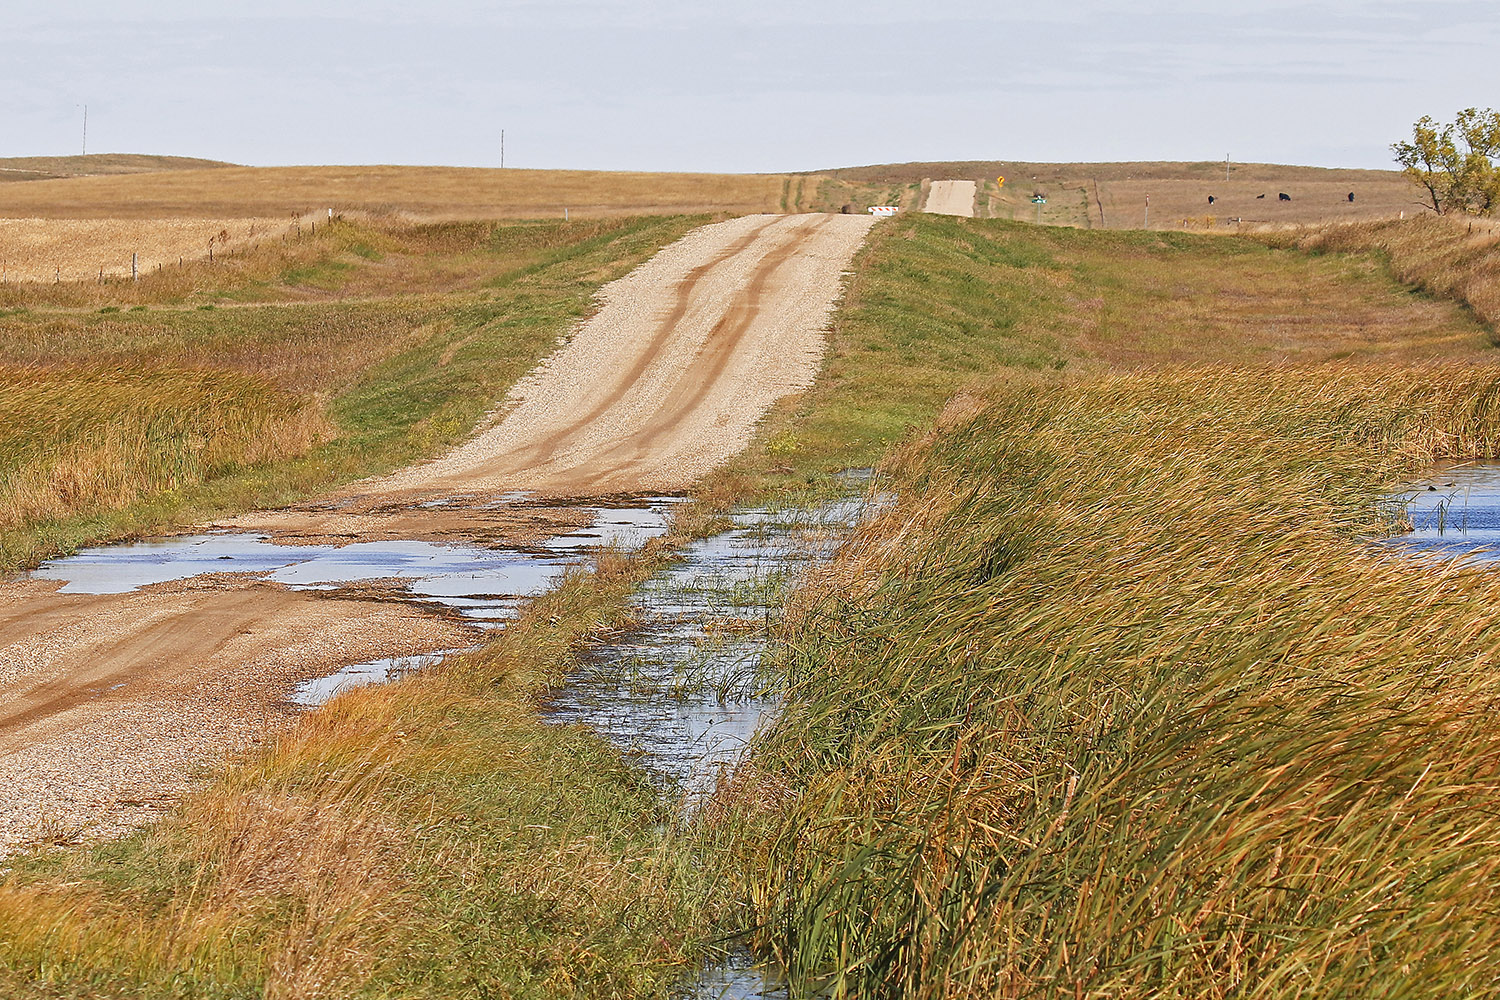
(431, 193)
(80, 251)
(1113, 195)
(36, 168)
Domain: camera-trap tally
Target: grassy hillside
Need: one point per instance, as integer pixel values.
(1454, 258)
(1113, 195)
(32, 168)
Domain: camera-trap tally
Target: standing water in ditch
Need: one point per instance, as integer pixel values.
(1453, 512)
(685, 691)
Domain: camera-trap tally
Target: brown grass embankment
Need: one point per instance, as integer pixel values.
(1451, 257)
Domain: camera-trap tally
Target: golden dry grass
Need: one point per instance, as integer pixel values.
(1452, 257)
(73, 250)
(426, 192)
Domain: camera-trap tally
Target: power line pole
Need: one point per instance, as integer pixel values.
(85, 128)
(502, 149)
(1226, 166)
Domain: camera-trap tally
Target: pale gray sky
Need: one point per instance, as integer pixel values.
(763, 85)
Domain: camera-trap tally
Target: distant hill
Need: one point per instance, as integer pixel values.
(1208, 170)
(1116, 195)
(42, 168)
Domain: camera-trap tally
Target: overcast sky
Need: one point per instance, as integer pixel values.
(761, 85)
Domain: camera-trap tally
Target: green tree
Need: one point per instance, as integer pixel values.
(1455, 163)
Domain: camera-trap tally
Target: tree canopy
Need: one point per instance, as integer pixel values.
(1456, 162)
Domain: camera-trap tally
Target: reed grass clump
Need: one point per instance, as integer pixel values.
(77, 441)
(1123, 700)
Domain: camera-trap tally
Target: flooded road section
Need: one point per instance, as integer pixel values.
(127, 669)
(1453, 512)
(682, 694)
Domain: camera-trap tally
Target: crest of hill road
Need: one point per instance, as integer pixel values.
(81, 218)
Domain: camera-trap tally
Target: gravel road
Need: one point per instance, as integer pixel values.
(951, 198)
(109, 704)
(669, 378)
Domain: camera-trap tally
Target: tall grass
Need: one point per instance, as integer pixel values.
(80, 440)
(1121, 701)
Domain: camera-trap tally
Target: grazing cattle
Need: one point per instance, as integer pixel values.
(1351, 197)
(1210, 199)
(1283, 196)
(1260, 196)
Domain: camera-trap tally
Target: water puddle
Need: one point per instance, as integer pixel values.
(685, 692)
(484, 585)
(1453, 512)
(311, 694)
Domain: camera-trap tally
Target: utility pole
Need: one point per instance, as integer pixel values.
(502, 149)
(85, 128)
(1226, 166)
(1146, 223)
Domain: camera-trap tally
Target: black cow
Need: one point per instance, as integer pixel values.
(1283, 196)
(1260, 196)
(1210, 199)
(1351, 197)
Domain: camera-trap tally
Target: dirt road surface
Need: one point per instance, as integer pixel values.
(951, 198)
(668, 380)
(109, 704)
